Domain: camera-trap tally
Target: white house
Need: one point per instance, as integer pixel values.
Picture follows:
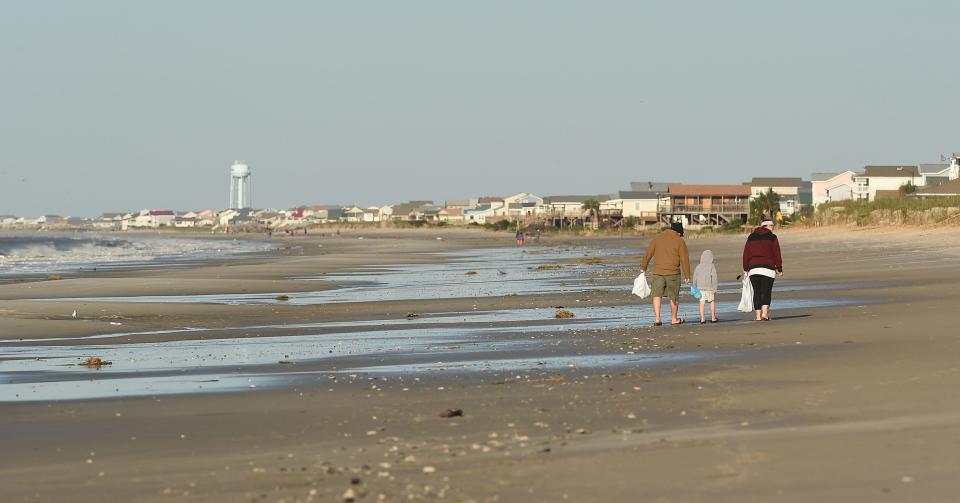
(49, 220)
(148, 219)
(523, 204)
(629, 203)
(829, 187)
(27, 222)
(884, 178)
(354, 214)
(938, 174)
(787, 188)
(108, 221)
(371, 214)
(570, 206)
(226, 216)
(481, 213)
(186, 220)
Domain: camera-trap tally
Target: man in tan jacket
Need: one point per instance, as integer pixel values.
(670, 258)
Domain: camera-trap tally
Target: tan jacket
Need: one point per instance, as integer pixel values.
(669, 254)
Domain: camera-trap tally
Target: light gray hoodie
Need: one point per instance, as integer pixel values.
(705, 275)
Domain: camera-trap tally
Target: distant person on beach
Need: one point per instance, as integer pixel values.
(670, 258)
(762, 263)
(705, 279)
(779, 218)
(519, 238)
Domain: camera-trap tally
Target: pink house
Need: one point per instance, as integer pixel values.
(828, 187)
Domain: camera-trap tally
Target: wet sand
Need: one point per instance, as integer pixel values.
(848, 399)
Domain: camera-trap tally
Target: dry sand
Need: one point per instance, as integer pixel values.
(851, 402)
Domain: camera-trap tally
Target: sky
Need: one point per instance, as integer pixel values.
(117, 106)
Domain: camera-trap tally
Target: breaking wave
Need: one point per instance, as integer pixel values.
(57, 253)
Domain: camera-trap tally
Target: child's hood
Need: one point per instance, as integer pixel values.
(706, 257)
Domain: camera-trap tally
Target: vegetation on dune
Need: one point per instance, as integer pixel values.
(902, 211)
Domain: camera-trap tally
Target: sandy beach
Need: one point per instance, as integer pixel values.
(217, 391)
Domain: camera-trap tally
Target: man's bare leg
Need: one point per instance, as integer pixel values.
(674, 308)
(656, 309)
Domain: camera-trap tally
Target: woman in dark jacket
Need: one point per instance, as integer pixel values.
(762, 263)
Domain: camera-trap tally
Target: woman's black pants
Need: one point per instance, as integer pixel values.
(762, 290)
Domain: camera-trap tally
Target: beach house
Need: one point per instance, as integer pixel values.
(829, 187)
(108, 221)
(787, 188)
(454, 209)
(938, 174)
(353, 214)
(185, 220)
(151, 219)
(658, 187)
(271, 218)
(705, 204)
(451, 215)
(321, 213)
(50, 220)
(460, 203)
(206, 218)
(569, 205)
(371, 214)
(481, 213)
(415, 211)
(641, 205)
(950, 188)
(523, 205)
(495, 202)
(26, 222)
(567, 210)
(884, 178)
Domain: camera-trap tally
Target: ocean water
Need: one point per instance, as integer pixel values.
(60, 253)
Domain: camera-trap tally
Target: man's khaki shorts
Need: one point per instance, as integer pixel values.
(665, 286)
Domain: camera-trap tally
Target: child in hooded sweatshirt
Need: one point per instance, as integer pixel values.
(705, 278)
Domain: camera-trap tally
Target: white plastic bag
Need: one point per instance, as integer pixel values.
(746, 296)
(640, 286)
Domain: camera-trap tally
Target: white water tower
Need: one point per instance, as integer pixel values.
(240, 186)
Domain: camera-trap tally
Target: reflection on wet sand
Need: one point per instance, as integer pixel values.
(464, 341)
(488, 272)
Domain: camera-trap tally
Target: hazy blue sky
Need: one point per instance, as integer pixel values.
(122, 105)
